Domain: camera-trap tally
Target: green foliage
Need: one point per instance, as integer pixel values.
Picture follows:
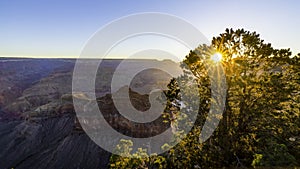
(260, 124)
(274, 155)
(139, 159)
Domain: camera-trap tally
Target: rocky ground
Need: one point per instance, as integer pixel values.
(38, 124)
(48, 143)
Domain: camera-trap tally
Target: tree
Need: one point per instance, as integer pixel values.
(258, 96)
(139, 159)
(260, 123)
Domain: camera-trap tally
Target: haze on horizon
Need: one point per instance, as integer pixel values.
(60, 29)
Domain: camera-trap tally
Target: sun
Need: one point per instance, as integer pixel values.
(217, 57)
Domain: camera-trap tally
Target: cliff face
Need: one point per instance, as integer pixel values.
(18, 74)
(38, 124)
(47, 90)
(48, 143)
(37, 118)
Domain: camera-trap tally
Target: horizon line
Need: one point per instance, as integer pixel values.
(77, 57)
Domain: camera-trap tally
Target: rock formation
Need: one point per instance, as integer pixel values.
(38, 124)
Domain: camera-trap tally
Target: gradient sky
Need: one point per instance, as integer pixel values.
(59, 28)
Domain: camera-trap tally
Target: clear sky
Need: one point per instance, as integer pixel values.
(61, 27)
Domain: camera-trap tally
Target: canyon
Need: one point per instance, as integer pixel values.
(38, 124)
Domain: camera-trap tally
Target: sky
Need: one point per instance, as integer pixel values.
(58, 28)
